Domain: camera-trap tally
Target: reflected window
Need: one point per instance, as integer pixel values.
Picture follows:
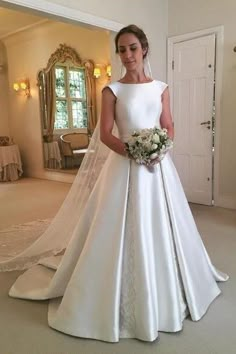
(70, 97)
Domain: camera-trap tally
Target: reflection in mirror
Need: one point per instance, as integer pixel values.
(67, 107)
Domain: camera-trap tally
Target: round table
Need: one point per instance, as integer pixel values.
(52, 155)
(10, 163)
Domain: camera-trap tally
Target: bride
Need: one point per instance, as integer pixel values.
(134, 262)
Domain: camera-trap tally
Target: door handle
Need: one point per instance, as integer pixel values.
(208, 122)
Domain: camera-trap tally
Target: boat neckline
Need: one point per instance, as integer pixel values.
(136, 83)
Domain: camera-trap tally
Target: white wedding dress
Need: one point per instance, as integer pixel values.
(135, 264)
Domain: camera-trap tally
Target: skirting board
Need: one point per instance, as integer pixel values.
(228, 202)
(52, 176)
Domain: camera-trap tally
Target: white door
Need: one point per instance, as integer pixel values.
(193, 90)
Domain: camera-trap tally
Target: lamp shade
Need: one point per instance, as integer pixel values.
(16, 86)
(23, 85)
(97, 72)
(109, 70)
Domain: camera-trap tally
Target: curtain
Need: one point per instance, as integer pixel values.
(50, 102)
(91, 96)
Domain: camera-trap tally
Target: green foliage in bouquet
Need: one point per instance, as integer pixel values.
(146, 145)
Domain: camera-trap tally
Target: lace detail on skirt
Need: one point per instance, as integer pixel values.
(128, 295)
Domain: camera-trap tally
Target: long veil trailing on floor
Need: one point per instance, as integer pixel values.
(56, 237)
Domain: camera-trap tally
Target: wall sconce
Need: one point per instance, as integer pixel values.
(100, 70)
(22, 86)
(108, 70)
(97, 72)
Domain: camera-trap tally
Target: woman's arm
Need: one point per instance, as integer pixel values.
(166, 119)
(107, 122)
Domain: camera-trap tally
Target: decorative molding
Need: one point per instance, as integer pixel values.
(196, 34)
(62, 54)
(61, 11)
(25, 28)
(59, 176)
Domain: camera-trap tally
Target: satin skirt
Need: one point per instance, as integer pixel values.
(135, 264)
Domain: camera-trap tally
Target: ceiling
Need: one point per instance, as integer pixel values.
(12, 21)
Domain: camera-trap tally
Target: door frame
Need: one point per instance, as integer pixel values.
(68, 15)
(60, 12)
(219, 34)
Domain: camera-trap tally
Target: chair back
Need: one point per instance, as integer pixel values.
(77, 140)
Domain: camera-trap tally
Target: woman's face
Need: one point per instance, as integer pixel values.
(130, 51)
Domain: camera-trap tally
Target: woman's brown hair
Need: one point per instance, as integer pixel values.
(138, 33)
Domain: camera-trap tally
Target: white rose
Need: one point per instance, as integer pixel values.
(154, 146)
(153, 156)
(156, 138)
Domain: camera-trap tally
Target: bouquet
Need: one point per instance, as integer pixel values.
(147, 145)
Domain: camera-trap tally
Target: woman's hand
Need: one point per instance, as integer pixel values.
(155, 161)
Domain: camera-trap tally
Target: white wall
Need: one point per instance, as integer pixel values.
(189, 16)
(4, 118)
(27, 53)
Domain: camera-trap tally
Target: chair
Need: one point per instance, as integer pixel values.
(73, 147)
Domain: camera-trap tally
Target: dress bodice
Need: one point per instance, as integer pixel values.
(138, 106)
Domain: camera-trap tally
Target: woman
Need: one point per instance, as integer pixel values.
(135, 264)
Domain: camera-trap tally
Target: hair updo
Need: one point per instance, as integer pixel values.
(138, 33)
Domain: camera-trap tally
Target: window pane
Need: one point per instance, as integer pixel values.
(60, 82)
(79, 114)
(61, 115)
(77, 83)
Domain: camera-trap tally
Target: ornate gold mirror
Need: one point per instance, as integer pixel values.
(67, 107)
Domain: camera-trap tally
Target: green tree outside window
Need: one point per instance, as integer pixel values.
(71, 108)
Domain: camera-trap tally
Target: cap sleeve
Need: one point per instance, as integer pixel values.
(113, 87)
(162, 85)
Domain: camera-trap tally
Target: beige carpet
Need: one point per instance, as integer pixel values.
(23, 324)
(29, 199)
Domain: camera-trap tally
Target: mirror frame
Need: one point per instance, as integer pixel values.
(62, 54)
